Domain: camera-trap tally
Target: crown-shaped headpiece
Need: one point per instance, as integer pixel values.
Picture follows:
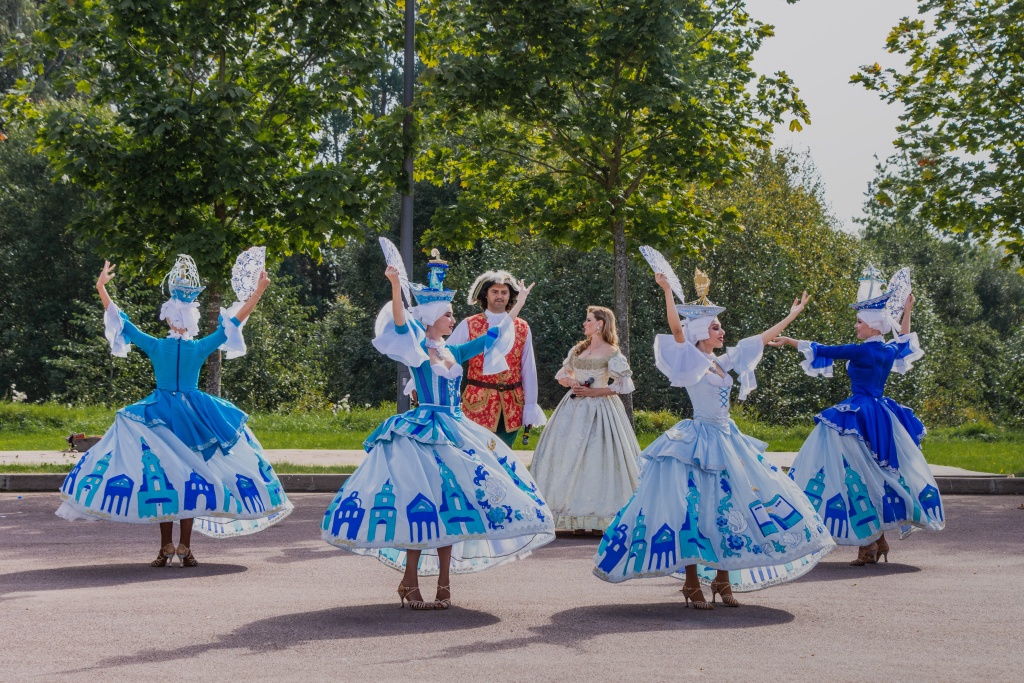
(183, 280)
(434, 292)
(702, 306)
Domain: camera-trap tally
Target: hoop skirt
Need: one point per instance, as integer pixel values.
(179, 453)
(707, 496)
(862, 467)
(433, 478)
(586, 459)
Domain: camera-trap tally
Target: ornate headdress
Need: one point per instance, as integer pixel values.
(181, 310)
(433, 300)
(698, 315)
(882, 309)
(493, 277)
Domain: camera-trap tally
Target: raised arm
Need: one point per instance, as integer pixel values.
(106, 275)
(524, 291)
(670, 309)
(251, 302)
(796, 309)
(905, 327)
(397, 308)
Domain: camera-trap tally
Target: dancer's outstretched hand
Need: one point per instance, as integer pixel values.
(392, 274)
(799, 304)
(263, 282)
(524, 291)
(662, 281)
(782, 341)
(106, 275)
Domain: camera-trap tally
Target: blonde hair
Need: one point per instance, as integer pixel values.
(608, 333)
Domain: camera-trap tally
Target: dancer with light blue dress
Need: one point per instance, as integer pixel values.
(710, 507)
(437, 493)
(862, 465)
(179, 454)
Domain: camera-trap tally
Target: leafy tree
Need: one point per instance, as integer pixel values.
(596, 124)
(45, 269)
(960, 164)
(198, 130)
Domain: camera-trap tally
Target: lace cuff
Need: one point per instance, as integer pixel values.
(500, 339)
(908, 351)
(682, 363)
(812, 364)
(403, 344)
(234, 347)
(113, 330)
(534, 416)
(743, 359)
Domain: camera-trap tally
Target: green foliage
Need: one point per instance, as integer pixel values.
(282, 369)
(42, 267)
(960, 163)
(197, 126)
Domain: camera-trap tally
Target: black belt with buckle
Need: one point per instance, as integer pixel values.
(491, 385)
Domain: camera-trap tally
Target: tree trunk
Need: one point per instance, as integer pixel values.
(213, 362)
(620, 262)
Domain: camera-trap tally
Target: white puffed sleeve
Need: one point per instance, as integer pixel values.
(532, 413)
(812, 364)
(403, 344)
(566, 371)
(234, 347)
(682, 363)
(908, 351)
(113, 330)
(618, 370)
(743, 359)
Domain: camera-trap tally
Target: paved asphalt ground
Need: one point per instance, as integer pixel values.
(78, 602)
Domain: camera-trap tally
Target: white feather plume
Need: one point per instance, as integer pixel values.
(393, 257)
(660, 265)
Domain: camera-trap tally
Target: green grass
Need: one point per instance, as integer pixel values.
(979, 447)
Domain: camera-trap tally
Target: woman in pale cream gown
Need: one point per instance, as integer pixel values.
(585, 463)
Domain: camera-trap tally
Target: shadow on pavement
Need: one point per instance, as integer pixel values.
(842, 571)
(573, 627)
(95, 576)
(339, 623)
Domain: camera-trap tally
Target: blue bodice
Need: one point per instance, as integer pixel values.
(867, 414)
(438, 416)
(202, 422)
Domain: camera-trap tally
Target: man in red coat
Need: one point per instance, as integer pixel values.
(504, 402)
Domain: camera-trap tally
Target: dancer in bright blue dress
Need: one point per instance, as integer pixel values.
(710, 507)
(437, 493)
(179, 454)
(862, 465)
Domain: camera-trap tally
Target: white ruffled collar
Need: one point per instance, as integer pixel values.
(177, 335)
(877, 338)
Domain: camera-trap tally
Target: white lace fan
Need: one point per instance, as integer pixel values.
(245, 274)
(899, 288)
(660, 265)
(393, 257)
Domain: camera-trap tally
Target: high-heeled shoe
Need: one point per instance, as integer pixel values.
(727, 598)
(445, 603)
(691, 595)
(866, 554)
(403, 595)
(883, 548)
(164, 556)
(185, 556)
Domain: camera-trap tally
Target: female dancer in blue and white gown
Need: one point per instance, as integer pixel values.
(862, 465)
(708, 499)
(437, 492)
(179, 453)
